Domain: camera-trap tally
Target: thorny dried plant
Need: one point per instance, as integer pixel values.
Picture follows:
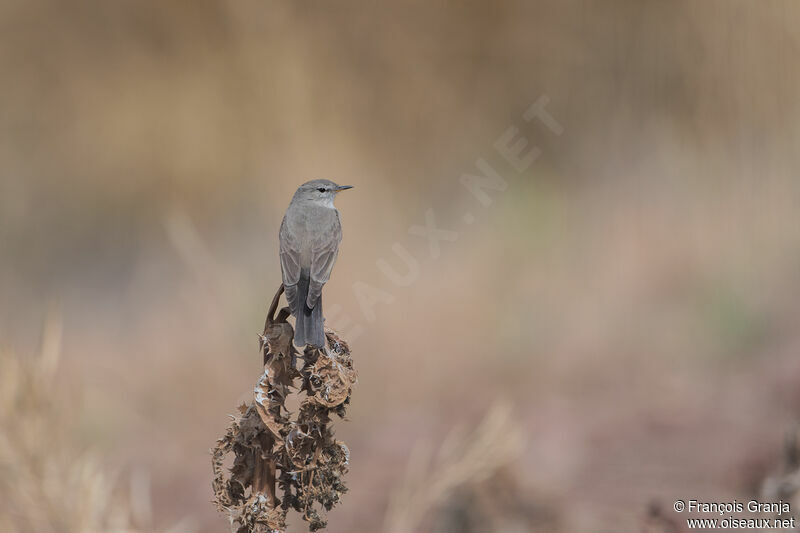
(785, 484)
(781, 485)
(462, 463)
(47, 485)
(283, 462)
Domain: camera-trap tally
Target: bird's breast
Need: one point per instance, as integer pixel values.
(307, 224)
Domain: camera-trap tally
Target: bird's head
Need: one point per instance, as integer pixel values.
(319, 191)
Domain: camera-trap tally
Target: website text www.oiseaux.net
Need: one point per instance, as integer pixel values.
(753, 514)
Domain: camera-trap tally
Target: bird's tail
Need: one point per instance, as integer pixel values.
(309, 323)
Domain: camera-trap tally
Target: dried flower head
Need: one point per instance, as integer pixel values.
(282, 462)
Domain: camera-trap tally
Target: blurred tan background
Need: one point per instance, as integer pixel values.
(633, 294)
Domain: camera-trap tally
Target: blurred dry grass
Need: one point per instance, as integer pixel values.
(633, 293)
(47, 483)
(470, 484)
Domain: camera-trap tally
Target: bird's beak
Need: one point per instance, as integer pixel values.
(343, 188)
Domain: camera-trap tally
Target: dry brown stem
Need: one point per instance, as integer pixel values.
(280, 461)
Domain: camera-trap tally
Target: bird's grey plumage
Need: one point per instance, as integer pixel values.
(309, 244)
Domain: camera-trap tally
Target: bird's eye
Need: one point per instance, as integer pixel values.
(321, 189)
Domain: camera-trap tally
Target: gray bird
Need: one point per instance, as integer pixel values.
(309, 240)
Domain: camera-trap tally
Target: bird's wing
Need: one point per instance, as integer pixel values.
(323, 256)
(290, 264)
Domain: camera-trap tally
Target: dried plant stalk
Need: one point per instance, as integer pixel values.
(785, 484)
(283, 462)
(463, 460)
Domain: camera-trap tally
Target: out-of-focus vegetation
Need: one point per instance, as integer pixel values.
(49, 484)
(632, 292)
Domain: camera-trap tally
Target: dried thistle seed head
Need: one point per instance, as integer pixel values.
(300, 447)
(275, 453)
(330, 382)
(329, 378)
